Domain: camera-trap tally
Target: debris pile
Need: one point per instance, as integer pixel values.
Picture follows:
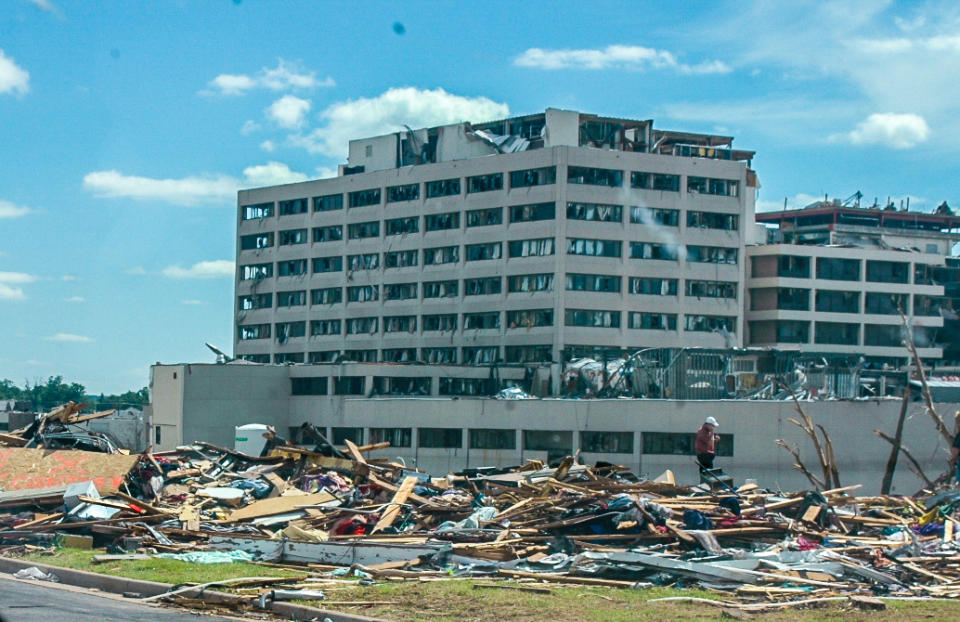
(60, 429)
(331, 510)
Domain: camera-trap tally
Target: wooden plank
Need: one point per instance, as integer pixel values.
(811, 514)
(393, 510)
(278, 484)
(279, 505)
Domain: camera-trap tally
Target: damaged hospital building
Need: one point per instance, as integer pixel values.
(445, 265)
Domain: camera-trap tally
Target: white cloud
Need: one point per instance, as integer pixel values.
(45, 5)
(326, 172)
(69, 277)
(269, 146)
(9, 292)
(284, 76)
(619, 56)
(13, 79)
(191, 302)
(795, 202)
(899, 131)
(68, 338)
(218, 268)
(288, 112)
(249, 127)
(9, 210)
(136, 271)
(75, 299)
(190, 190)
(17, 278)
(389, 112)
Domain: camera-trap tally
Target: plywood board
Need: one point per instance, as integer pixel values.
(25, 469)
(279, 505)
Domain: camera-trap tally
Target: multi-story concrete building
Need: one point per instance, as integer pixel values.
(528, 239)
(834, 278)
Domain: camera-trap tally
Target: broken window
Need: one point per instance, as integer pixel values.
(255, 301)
(435, 356)
(400, 259)
(888, 272)
(792, 266)
(323, 356)
(440, 289)
(441, 255)
(360, 230)
(294, 206)
(360, 356)
(838, 269)
(606, 442)
(493, 438)
(319, 328)
(710, 323)
(791, 331)
(364, 261)
(713, 220)
(535, 211)
(328, 203)
(485, 183)
(654, 216)
(654, 250)
(719, 187)
(247, 332)
(403, 355)
(528, 354)
(400, 291)
(481, 321)
(255, 241)
(882, 303)
(480, 355)
(292, 299)
(290, 330)
(485, 217)
(292, 267)
(927, 305)
(439, 322)
(362, 325)
(483, 252)
(348, 385)
(548, 440)
(655, 181)
(923, 274)
(333, 233)
(594, 248)
(529, 318)
(339, 436)
(316, 385)
(594, 176)
(530, 283)
(397, 437)
(836, 301)
(327, 264)
(711, 254)
(441, 222)
(681, 443)
(882, 335)
(407, 192)
(363, 293)
(591, 318)
(593, 283)
(253, 358)
(712, 289)
(258, 211)
(533, 177)
(652, 321)
(793, 299)
(596, 212)
(482, 286)
(652, 286)
(362, 198)
(539, 247)
(256, 271)
(401, 226)
(443, 188)
(440, 438)
(400, 324)
(293, 236)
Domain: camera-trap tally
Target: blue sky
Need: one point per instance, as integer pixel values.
(126, 128)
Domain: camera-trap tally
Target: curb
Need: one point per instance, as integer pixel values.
(121, 585)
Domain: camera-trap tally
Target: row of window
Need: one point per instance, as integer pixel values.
(654, 443)
(843, 301)
(487, 320)
(834, 269)
(539, 247)
(447, 355)
(485, 286)
(495, 181)
(485, 217)
(836, 333)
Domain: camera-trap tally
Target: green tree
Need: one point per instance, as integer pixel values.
(53, 392)
(124, 400)
(10, 391)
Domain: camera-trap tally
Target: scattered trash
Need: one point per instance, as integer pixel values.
(35, 573)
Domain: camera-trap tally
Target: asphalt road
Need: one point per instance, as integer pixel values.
(22, 601)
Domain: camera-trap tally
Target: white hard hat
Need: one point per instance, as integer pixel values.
(712, 422)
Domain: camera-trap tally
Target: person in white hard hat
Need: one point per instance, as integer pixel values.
(706, 443)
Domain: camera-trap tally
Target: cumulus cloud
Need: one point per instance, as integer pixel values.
(899, 131)
(325, 172)
(68, 338)
(10, 283)
(249, 127)
(13, 79)
(269, 146)
(285, 76)
(288, 112)
(190, 190)
(615, 56)
(389, 112)
(218, 268)
(9, 210)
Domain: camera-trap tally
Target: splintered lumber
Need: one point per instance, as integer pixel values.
(399, 498)
(565, 578)
(13, 439)
(279, 505)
